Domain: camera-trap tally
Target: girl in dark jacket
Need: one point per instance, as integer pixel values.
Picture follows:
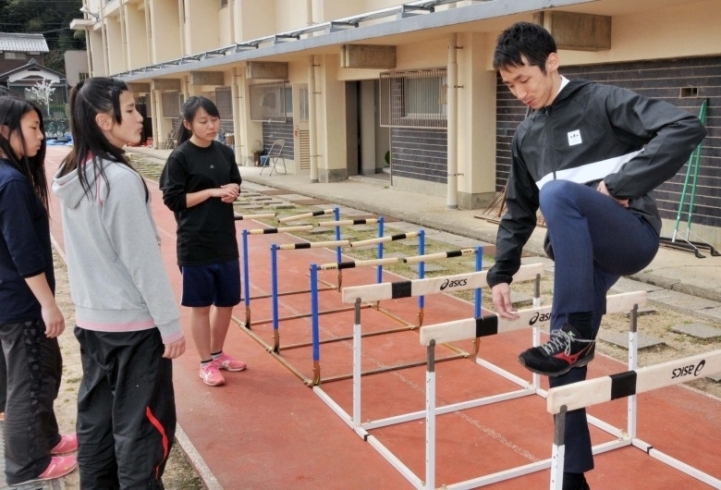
(30, 320)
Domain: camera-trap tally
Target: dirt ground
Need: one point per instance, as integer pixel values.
(179, 474)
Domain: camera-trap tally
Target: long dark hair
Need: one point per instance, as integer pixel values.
(190, 109)
(98, 95)
(12, 110)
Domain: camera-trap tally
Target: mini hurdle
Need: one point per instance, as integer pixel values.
(416, 259)
(334, 243)
(405, 289)
(628, 384)
(273, 230)
(337, 243)
(477, 327)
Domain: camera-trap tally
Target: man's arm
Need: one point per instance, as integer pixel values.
(517, 223)
(514, 231)
(671, 135)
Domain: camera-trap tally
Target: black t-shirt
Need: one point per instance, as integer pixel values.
(206, 232)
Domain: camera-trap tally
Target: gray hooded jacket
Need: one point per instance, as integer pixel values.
(115, 268)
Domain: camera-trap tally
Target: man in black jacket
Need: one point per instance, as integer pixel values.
(588, 155)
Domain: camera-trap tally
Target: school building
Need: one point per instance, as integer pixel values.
(358, 87)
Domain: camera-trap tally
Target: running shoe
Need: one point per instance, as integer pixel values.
(68, 443)
(224, 361)
(211, 375)
(59, 466)
(564, 351)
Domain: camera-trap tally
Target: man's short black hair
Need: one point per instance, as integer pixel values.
(523, 39)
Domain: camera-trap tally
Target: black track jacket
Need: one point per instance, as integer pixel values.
(592, 132)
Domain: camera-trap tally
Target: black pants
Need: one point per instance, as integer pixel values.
(3, 382)
(126, 410)
(34, 366)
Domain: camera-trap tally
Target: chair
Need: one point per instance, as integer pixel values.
(275, 155)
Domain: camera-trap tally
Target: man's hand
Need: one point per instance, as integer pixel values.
(502, 301)
(53, 319)
(604, 190)
(175, 349)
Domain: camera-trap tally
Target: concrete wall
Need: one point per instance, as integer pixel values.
(76, 62)
(256, 18)
(165, 30)
(94, 41)
(290, 14)
(114, 36)
(201, 26)
(136, 32)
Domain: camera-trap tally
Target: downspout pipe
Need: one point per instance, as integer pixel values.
(235, 91)
(312, 122)
(452, 134)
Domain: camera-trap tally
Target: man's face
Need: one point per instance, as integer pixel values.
(530, 84)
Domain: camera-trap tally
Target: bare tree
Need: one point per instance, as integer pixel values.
(42, 92)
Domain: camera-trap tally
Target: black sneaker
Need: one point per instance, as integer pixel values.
(564, 351)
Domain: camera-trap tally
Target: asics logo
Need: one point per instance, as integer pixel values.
(453, 283)
(691, 369)
(539, 317)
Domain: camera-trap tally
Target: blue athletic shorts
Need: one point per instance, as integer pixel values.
(216, 284)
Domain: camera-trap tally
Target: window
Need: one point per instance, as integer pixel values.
(172, 103)
(415, 99)
(289, 102)
(15, 55)
(268, 102)
(303, 108)
(224, 102)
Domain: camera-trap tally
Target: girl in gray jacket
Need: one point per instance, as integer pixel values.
(127, 321)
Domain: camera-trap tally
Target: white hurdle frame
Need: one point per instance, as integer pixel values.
(419, 287)
(628, 384)
(470, 328)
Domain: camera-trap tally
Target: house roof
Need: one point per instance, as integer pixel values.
(31, 66)
(12, 41)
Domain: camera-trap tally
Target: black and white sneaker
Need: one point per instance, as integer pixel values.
(564, 351)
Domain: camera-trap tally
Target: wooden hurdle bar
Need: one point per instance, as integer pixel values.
(245, 217)
(628, 384)
(313, 214)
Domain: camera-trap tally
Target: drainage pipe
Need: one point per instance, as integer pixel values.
(452, 91)
(312, 121)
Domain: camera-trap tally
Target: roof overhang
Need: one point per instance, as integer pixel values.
(403, 26)
(81, 24)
